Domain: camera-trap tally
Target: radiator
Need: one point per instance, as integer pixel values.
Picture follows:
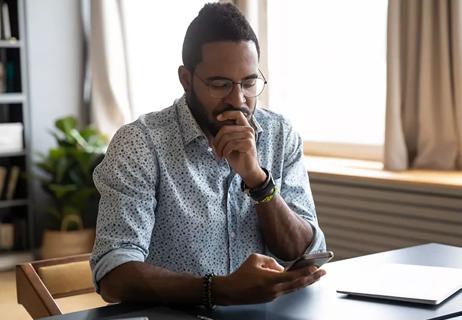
(362, 216)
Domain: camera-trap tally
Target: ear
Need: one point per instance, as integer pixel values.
(185, 77)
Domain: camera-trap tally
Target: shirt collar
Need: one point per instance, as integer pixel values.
(258, 128)
(189, 127)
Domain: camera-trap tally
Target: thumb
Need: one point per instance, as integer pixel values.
(270, 263)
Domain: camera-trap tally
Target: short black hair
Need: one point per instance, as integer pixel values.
(215, 22)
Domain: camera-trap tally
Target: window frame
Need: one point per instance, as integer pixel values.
(343, 150)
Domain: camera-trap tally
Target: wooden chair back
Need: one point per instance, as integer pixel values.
(39, 283)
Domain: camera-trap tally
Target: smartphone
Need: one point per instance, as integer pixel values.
(313, 259)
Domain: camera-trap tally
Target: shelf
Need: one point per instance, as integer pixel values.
(11, 98)
(13, 203)
(8, 260)
(10, 44)
(12, 154)
(15, 108)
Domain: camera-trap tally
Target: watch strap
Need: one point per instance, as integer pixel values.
(266, 189)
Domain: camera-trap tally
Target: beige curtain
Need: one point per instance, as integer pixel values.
(424, 85)
(111, 105)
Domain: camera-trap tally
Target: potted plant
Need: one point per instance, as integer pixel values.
(68, 170)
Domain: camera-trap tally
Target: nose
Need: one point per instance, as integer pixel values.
(236, 97)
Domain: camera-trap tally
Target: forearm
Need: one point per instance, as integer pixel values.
(142, 282)
(286, 234)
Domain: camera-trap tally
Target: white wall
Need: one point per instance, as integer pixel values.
(54, 53)
(54, 49)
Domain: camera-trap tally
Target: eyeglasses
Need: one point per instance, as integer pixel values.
(221, 88)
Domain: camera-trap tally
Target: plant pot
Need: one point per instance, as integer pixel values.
(65, 243)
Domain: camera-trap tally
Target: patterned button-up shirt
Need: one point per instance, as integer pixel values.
(167, 200)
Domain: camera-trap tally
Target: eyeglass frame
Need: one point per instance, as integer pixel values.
(208, 84)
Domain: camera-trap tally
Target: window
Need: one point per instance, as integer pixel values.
(155, 31)
(327, 70)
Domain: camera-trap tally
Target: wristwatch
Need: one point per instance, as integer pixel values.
(267, 189)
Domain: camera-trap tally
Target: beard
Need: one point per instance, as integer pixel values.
(209, 124)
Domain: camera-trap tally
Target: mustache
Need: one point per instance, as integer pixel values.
(245, 111)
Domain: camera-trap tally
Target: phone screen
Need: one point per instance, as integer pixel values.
(314, 259)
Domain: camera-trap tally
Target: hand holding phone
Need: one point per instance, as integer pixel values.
(313, 259)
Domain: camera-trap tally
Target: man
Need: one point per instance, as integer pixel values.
(195, 198)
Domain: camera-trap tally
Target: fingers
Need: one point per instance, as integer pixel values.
(227, 129)
(301, 282)
(262, 279)
(241, 124)
(265, 262)
(296, 274)
(236, 115)
(273, 265)
(233, 138)
(236, 146)
(303, 273)
(239, 137)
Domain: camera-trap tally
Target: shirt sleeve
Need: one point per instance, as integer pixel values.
(126, 181)
(296, 191)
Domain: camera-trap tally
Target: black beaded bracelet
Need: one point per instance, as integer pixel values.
(207, 300)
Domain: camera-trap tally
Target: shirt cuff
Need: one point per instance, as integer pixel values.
(112, 260)
(318, 242)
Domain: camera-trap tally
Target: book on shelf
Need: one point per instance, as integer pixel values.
(3, 172)
(11, 137)
(12, 182)
(10, 76)
(2, 77)
(6, 236)
(6, 25)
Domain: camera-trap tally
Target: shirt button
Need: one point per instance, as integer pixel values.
(209, 149)
(233, 235)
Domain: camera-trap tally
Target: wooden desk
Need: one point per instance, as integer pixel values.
(319, 301)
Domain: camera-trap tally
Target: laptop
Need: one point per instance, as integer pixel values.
(404, 282)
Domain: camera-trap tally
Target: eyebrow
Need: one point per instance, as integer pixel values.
(252, 76)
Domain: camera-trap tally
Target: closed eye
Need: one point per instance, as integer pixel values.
(220, 84)
(249, 83)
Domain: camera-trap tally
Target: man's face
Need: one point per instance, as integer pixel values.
(234, 61)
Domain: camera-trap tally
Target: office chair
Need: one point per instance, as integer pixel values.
(56, 286)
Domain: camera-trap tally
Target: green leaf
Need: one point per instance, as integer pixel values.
(62, 166)
(67, 168)
(60, 191)
(66, 124)
(56, 153)
(85, 161)
(95, 139)
(76, 178)
(47, 166)
(79, 199)
(81, 141)
(89, 133)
